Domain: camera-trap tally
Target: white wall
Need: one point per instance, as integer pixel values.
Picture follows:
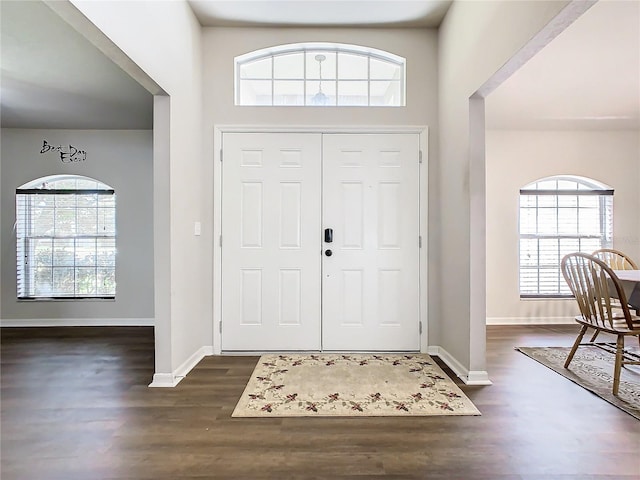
(517, 158)
(221, 45)
(164, 39)
(121, 159)
(418, 46)
(476, 39)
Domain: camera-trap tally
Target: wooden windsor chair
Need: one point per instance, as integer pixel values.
(593, 284)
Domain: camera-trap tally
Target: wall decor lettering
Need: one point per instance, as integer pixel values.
(68, 154)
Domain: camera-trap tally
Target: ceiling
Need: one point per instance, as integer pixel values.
(52, 77)
(588, 77)
(320, 13)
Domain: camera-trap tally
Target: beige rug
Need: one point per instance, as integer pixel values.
(592, 369)
(360, 385)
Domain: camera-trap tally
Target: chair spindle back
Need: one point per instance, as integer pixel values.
(593, 283)
(615, 259)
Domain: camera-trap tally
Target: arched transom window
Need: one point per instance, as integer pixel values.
(320, 74)
(65, 238)
(560, 215)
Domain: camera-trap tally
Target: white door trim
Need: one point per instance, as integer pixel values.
(219, 130)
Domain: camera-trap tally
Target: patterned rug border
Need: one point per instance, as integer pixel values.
(464, 406)
(598, 386)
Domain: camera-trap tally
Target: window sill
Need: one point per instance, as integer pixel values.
(546, 297)
(67, 299)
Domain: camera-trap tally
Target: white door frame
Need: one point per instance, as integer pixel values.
(219, 130)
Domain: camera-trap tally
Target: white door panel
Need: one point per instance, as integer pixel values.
(271, 241)
(371, 281)
(280, 190)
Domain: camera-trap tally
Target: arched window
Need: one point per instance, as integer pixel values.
(66, 238)
(560, 215)
(320, 74)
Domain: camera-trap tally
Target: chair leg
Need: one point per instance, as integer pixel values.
(575, 346)
(595, 335)
(617, 369)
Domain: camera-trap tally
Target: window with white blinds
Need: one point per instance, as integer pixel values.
(560, 215)
(66, 238)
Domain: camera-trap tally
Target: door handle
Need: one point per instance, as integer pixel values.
(328, 235)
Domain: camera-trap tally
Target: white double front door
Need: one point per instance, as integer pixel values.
(320, 242)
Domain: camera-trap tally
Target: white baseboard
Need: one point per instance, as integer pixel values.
(164, 380)
(192, 361)
(168, 380)
(530, 320)
(469, 377)
(77, 322)
(477, 377)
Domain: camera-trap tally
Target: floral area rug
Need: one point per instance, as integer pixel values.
(297, 385)
(592, 368)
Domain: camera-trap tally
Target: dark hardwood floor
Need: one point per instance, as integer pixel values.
(75, 405)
